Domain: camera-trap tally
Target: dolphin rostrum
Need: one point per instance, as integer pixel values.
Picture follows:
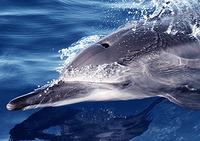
(138, 61)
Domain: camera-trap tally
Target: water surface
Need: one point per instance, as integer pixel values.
(32, 33)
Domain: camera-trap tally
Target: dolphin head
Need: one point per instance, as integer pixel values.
(122, 45)
(116, 47)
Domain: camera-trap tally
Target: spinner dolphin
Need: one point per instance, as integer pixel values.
(137, 61)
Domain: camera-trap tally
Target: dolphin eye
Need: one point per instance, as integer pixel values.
(105, 45)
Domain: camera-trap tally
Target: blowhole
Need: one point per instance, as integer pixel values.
(105, 45)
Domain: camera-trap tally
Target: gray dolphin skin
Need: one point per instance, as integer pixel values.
(138, 61)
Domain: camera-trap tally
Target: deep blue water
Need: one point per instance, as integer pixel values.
(32, 33)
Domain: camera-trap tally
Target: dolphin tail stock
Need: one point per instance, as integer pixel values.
(185, 96)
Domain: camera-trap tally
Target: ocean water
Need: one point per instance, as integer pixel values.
(32, 36)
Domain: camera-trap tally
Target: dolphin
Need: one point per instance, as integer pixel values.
(137, 61)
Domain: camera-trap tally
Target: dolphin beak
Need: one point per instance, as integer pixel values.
(50, 96)
(17, 104)
(11, 106)
(21, 102)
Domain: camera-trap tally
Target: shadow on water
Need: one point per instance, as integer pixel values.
(73, 124)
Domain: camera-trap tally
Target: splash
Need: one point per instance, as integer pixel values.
(182, 13)
(68, 54)
(101, 73)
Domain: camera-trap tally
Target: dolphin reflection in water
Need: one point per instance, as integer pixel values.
(135, 62)
(70, 124)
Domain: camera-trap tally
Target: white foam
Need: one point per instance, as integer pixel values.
(68, 54)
